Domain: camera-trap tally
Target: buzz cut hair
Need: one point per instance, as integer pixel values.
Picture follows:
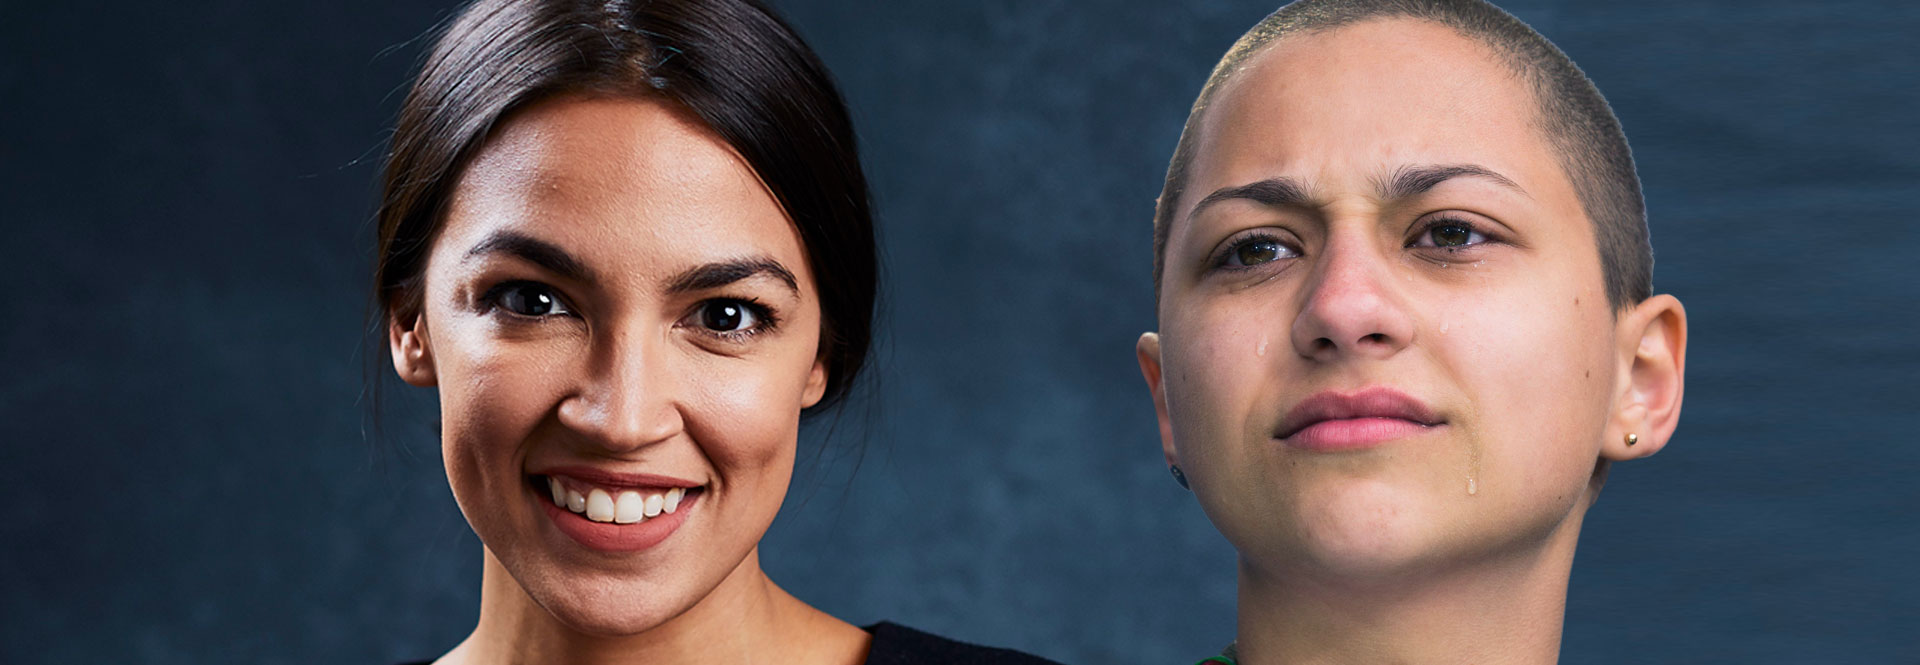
(1569, 110)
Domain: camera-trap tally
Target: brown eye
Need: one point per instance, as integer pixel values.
(723, 316)
(1255, 251)
(528, 299)
(731, 316)
(1451, 235)
(1258, 252)
(1448, 234)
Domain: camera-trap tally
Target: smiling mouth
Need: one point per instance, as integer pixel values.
(613, 505)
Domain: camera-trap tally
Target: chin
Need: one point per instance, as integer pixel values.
(606, 609)
(593, 602)
(601, 623)
(1366, 530)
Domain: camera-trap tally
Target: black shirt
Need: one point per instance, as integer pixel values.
(894, 644)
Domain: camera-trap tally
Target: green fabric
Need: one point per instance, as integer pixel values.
(1226, 656)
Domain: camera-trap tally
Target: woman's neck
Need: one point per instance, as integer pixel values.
(746, 618)
(1507, 610)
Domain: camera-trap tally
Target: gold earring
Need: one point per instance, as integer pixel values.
(1632, 439)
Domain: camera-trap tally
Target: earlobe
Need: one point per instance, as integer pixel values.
(412, 351)
(1653, 357)
(1148, 352)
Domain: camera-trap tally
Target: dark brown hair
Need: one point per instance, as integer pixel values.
(1575, 118)
(733, 64)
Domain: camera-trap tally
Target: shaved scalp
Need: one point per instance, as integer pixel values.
(1569, 110)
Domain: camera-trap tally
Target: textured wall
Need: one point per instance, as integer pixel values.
(187, 194)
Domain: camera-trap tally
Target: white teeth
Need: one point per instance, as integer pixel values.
(600, 506)
(625, 507)
(631, 508)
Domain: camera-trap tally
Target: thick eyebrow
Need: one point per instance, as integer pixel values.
(1408, 181)
(533, 250)
(1277, 192)
(721, 273)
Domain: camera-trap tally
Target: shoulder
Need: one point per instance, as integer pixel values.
(894, 644)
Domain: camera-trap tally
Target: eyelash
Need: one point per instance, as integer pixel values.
(1437, 222)
(492, 300)
(1223, 259)
(763, 317)
(765, 320)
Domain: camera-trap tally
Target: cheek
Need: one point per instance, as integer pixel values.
(1216, 369)
(1536, 377)
(742, 414)
(745, 412)
(493, 394)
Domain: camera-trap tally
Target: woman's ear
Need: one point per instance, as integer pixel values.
(1653, 361)
(1148, 350)
(816, 382)
(412, 350)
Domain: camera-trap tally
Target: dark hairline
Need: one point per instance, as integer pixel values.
(754, 84)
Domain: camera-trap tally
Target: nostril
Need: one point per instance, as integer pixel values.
(1378, 338)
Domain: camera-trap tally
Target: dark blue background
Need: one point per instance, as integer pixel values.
(187, 201)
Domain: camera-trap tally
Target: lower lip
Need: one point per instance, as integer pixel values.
(610, 537)
(1353, 433)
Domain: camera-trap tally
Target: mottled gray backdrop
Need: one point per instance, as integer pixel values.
(187, 191)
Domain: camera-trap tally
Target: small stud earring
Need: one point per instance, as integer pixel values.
(1179, 477)
(1632, 439)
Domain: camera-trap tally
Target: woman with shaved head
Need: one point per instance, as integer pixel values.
(1406, 326)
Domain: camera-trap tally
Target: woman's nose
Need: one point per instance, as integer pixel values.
(1352, 309)
(630, 398)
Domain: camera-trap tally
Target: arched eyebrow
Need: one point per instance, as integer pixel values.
(721, 273)
(698, 278)
(533, 250)
(1409, 181)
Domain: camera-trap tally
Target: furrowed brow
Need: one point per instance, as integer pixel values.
(1409, 181)
(1275, 192)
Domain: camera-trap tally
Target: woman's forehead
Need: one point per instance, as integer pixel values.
(1368, 98)
(598, 149)
(628, 183)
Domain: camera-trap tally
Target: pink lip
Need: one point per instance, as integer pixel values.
(608, 537)
(1330, 421)
(619, 537)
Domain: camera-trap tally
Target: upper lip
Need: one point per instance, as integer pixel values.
(598, 476)
(1367, 403)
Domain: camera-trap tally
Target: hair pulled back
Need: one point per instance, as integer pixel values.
(733, 63)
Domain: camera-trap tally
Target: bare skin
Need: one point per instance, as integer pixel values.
(1474, 292)
(614, 294)
(746, 619)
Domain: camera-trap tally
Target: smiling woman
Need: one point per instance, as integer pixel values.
(631, 247)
